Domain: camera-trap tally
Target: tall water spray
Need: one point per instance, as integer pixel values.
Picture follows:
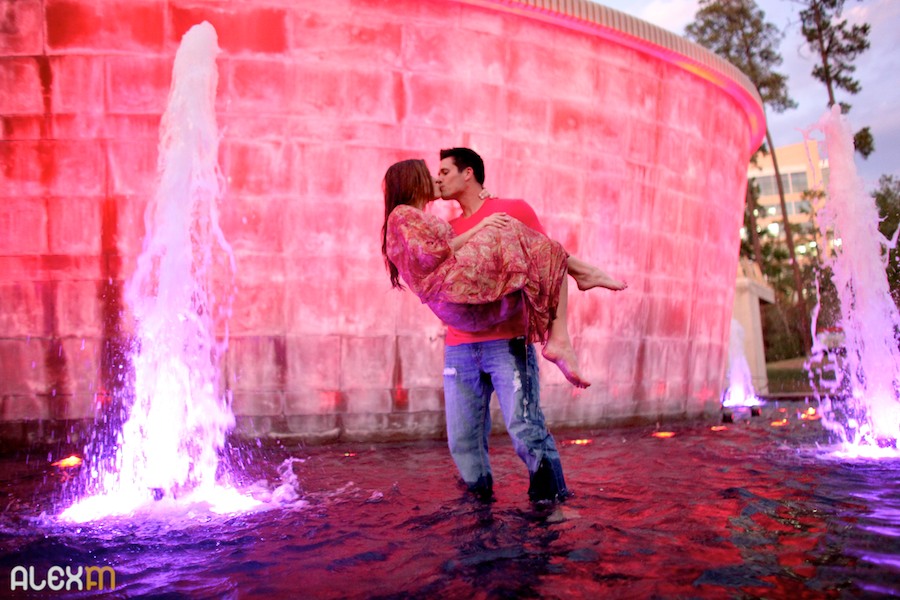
(180, 295)
(740, 391)
(863, 404)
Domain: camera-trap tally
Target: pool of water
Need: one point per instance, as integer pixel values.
(753, 510)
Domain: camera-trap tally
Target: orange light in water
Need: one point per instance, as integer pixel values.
(718, 428)
(349, 454)
(663, 434)
(68, 462)
(578, 442)
(780, 423)
(810, 415)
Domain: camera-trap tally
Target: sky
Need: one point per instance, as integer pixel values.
(877, 105)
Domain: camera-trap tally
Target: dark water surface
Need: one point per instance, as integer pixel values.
(753, 511)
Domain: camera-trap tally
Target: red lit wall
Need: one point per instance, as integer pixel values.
(633, 162)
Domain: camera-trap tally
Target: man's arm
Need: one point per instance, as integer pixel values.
(522, 211)
(494, 220)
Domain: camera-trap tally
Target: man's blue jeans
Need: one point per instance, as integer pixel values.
(509, 367)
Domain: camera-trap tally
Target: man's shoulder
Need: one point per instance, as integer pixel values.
(515, 207)
(518, 209)
(508, 202)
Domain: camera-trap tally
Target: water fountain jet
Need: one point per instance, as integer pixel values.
(180, 295)
(740, 390)
(862, 405)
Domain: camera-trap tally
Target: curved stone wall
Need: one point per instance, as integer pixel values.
(630, 143)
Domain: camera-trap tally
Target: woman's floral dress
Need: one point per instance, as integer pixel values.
(479, 285)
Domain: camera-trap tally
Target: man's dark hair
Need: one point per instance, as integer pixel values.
(464, 158)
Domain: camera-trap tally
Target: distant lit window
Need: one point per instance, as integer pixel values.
(798, 182)
(792, 183)
(766, 185)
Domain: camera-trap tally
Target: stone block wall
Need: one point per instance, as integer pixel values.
(631, 161)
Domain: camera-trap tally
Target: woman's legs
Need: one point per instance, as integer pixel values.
(588, 276)
(558, 348)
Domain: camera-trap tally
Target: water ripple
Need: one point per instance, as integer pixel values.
(743, 513)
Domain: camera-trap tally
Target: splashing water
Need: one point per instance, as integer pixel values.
(862, 406)
(740, 390)
(169, 446)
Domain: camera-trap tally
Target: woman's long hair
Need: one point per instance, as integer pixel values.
(406, 182)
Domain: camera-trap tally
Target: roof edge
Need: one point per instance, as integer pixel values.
(626, 30)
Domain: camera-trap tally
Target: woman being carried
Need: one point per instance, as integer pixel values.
(484, 276)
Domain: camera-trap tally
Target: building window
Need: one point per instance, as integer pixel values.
(766, 185)
(798, 182)
(792, 183)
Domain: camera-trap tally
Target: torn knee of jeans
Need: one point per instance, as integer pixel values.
(517, 381)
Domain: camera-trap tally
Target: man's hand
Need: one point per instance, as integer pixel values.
(495, 220)
(498, 220)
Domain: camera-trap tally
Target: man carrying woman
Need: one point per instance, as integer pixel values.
(498, 283)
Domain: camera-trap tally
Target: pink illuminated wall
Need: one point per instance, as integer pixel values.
(632, 160)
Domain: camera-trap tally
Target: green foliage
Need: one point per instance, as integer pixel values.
(836, 46)
(784, 321)
(828, 300)
(788, 380)
(781, 320)
(737, 31)
(781, 337)
(864, 142)
(887, 199)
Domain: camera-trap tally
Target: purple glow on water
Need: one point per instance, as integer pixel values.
(180, 296)
(861, 405)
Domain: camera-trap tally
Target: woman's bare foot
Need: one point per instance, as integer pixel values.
(597, 278)
(562, 354)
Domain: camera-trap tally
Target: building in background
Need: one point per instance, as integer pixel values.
(804, 176)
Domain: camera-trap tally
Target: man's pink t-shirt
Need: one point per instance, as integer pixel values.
(515, 327)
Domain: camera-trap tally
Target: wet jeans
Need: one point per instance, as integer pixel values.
(509, 367)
